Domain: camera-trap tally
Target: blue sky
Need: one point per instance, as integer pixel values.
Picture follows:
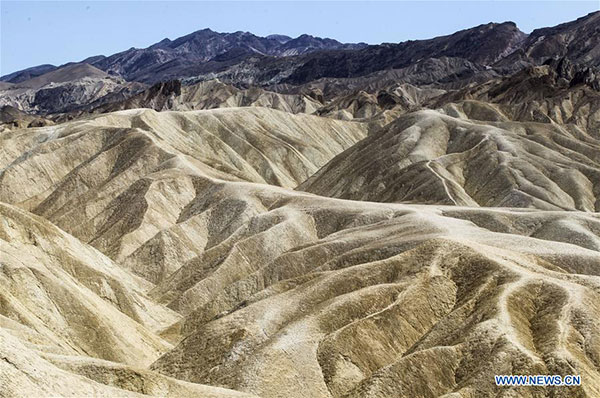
(34, 32)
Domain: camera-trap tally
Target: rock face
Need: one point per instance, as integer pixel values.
(577, 40)
(65, 89)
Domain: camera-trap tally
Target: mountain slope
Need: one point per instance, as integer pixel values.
(497, 39)
(526, 140)
(578, 40)
(434, 221)
(499, 48)
(357, 299)
(63, 289)
(134, 171)
(66, 310)
(452, 157)
(62, 75)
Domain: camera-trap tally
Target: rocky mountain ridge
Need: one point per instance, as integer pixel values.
(197, 47)
(500, 46)
(288, 66)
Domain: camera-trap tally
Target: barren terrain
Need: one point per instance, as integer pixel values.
(369, 232)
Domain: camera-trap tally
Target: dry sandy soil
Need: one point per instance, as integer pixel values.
(177, 254)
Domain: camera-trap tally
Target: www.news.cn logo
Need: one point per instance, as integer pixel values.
(538, 380)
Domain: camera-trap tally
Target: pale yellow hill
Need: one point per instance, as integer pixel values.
(80, 172)
(276, 292)
(452, 156)
(66, 311)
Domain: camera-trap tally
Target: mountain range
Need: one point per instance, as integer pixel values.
(282, 64)
(280, 59)
(185, 52)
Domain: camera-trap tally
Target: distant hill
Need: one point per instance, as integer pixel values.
(63, 74)
(26, 74)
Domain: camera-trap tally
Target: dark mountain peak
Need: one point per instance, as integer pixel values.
(170, 59)
(309, 38)
(484, 44)
(199, 34)
(506, 26)
(163, 43)
(486, 27)
(280, 38)
(204, 31)
(502, 24)
(489, 25)
(495, 27)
